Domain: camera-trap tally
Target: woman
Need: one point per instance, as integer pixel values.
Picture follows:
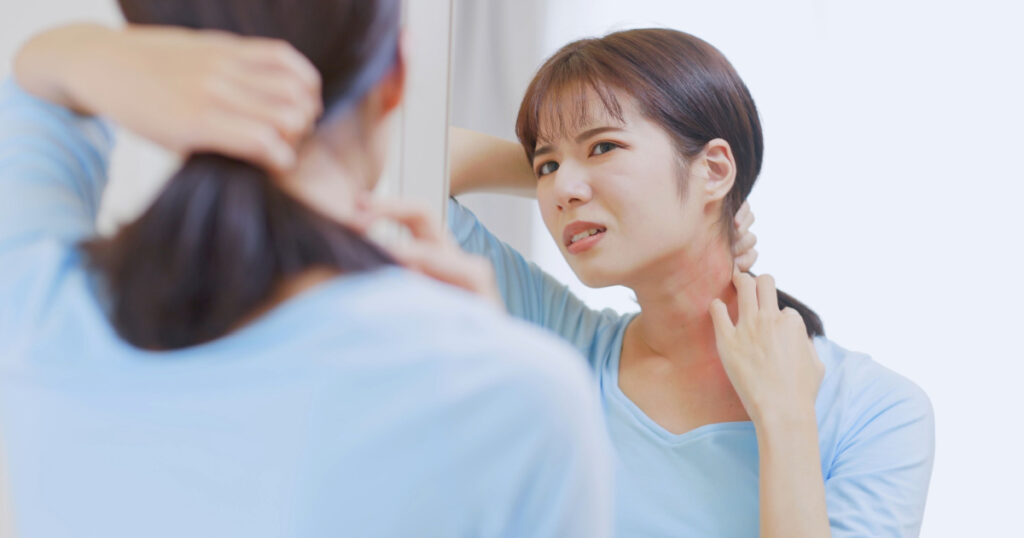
(239, 360)
(643, 144)
(712, 442)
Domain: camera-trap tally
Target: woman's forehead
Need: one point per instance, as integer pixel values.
(572, 110)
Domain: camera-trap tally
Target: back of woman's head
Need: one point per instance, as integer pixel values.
(678, 81)
(346, 40)
(222, 235)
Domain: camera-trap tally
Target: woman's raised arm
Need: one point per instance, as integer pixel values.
(187, 90)
(484, 163)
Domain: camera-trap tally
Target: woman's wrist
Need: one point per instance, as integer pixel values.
(784, 419)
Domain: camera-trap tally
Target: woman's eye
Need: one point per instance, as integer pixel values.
(547, 168)
(603, 147)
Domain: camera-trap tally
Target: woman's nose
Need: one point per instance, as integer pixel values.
(571, 187)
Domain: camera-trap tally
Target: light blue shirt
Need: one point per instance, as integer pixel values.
(377, 404)
(876, 428)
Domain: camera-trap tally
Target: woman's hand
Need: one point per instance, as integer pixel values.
(776, 372)
(187, 90)
(431, 250)
(743, 250)
(766, 354)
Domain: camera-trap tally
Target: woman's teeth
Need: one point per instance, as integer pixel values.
(583, 235)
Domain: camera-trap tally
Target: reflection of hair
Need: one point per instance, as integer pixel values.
(222, 235)
(678, 81)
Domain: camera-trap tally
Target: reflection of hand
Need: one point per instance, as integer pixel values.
(769, 359)
(432, 251)
(187, 90)
(743, 250)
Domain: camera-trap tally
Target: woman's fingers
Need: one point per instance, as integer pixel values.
(720, 319)
(245, 139)
(746, 295)
(420, 222)
(451, 266)
(767, 297)
(279, 54)
(258, 99)
(744, 243)
(746, 260)
(744, 218)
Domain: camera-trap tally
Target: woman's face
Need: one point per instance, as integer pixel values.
(609, 193)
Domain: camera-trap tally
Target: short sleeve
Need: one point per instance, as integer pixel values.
(53, 169)
(878, 481)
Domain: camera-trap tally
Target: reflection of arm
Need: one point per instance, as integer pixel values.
(878, 480)
(486, 163)
(530, 293)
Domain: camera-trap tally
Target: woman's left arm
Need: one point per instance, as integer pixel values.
(776, 372)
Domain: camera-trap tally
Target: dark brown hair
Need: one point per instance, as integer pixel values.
(678, 81)
(221, 236)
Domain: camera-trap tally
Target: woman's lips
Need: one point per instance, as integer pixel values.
(586, 235)
(585, 243)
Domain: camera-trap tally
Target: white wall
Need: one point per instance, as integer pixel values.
(497, 48)
(888, 200)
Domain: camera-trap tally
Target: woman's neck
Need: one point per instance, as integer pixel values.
(674, 322)
(331, 184)
(326, 181)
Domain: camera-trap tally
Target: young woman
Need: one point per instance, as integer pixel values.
(239, 360)
(643, 145)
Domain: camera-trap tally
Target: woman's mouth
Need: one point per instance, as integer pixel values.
(581, 236)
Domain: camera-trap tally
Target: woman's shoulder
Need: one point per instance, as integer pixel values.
(858, 378)
(400, 302)
(864, 407)
(40, 279)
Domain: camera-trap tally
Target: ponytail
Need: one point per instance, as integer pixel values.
(811, 319)
(212, 249)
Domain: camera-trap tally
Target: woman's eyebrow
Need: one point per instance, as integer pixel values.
(596, 131)
(579, 139)
(543, 150)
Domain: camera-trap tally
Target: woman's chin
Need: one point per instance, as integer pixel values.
(595, 277)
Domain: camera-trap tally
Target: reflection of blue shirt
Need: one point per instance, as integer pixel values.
(875, 428)
(378, 404)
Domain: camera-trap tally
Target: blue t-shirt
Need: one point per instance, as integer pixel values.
(376, 404)
(876, 429)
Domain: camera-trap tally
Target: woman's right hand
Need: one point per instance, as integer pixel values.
(766, 353)
(431, 250)
(187, 90)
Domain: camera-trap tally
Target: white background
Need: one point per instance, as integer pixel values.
(888, 199)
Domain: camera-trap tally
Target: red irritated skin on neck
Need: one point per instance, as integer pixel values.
(578, 227)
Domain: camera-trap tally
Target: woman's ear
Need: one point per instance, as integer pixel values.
(720, 169)
(393, 85)
(386, 94)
